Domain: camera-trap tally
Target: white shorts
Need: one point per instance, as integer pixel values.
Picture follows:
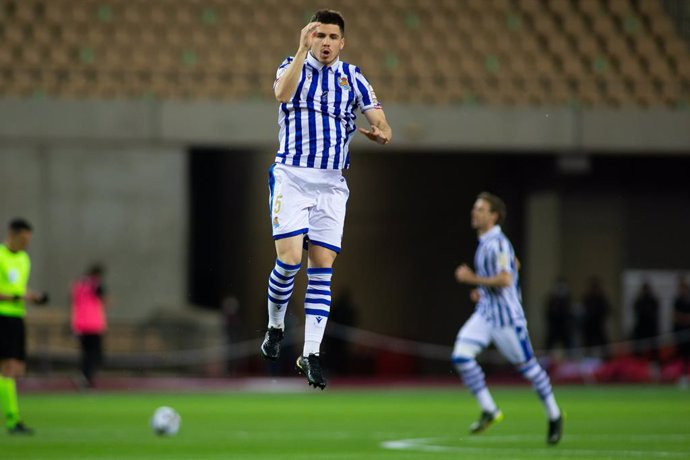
(477, 334)
(308, 201)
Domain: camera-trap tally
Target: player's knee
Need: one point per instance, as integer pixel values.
(464, 352)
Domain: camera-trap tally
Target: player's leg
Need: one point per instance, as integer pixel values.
(317, 302)
(11, 370)
(289, 209)
(326, 222)
(281, 282)
(91, 354)
(12, 367)
(473, 337)
(317, 308)
(514, 343)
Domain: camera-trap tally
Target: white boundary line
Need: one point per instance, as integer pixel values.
(436, 445)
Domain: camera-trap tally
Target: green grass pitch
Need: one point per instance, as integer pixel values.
(628, 422)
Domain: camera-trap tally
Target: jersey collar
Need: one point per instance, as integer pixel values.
(495, 231)
(317, 65)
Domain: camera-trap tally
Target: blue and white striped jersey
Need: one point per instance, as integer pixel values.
(499, 306)
(317, 124)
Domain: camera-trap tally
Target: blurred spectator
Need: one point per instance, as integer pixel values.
(559, 316)
(646, 329)
(89, 301)
(681, 327)
(230, 309)
(15, 268)
(338, 347)
(596, 310)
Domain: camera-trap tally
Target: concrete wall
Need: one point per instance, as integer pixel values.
(122, 205)
(254, 125)
(107, 180)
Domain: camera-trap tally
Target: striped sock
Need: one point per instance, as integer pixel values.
(317, 306)
(281, 282)
(473, 378)
(541, 383)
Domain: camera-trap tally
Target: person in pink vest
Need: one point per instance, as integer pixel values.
(89, 324)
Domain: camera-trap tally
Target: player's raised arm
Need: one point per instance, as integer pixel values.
(286, 84)
(380, 131)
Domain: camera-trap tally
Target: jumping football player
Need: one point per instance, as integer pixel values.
(318, 95)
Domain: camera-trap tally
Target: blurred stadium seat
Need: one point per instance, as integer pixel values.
(613, 53)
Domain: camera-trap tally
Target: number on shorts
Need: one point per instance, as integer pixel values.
(277, 204)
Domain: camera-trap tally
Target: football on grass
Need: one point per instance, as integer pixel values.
(165, 421)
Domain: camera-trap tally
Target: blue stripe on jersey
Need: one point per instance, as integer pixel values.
(311, 118)
(336, 113)
(286, 132)
(350, 100)
(286, 125)
(362, 88)
(297, 118)
(325, 120)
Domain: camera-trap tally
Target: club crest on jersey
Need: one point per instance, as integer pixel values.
(344, 84)
(275, 222)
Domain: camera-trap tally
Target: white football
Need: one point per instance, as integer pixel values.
(166, 421)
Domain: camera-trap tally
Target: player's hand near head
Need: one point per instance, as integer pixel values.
(286, 81)
(475, 295)
(307, 36)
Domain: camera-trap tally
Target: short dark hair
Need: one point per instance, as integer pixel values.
(330, 17)
(18, 224)
(495, 205)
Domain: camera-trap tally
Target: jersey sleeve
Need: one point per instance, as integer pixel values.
(366, 97)
(502, 255)
(281, 70)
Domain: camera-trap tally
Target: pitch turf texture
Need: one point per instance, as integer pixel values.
(431, 423)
